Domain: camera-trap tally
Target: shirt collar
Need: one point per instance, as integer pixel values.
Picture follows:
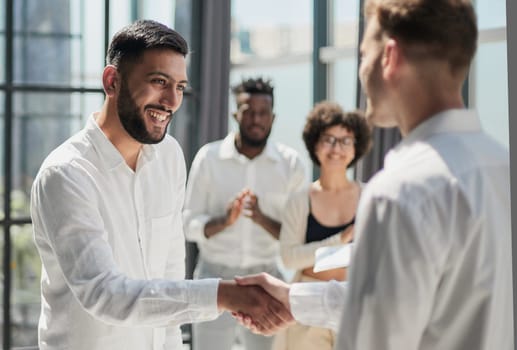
(452, 120)
(109, 153)
(229, 151)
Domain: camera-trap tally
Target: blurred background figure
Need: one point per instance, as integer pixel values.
(323, 213)
(236, 192)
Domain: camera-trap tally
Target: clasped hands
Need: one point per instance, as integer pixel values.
(259, 302)
(246, 203)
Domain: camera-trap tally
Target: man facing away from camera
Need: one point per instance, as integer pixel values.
(432, 266)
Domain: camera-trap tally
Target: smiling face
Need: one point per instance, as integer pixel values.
(335, 148)
(150, 92)
(255, 118)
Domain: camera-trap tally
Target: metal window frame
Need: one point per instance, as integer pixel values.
(9, 88)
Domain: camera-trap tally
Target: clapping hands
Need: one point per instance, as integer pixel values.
(245, 203)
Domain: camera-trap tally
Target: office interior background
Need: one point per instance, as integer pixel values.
(51, 59)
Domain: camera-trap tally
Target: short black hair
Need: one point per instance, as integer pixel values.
(129, 44)
(327, 114)
(254, 86)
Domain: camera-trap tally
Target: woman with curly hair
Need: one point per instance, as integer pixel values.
(323, 213)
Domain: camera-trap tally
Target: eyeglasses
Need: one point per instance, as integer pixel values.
(330, 141)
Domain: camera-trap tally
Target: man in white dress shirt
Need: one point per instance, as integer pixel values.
(106, 209)
(236, 191)
(432, 267)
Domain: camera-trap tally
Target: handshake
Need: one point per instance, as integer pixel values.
(259, 302)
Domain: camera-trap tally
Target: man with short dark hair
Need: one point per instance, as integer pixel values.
(432, 263)
(106, 209)
(236, 191)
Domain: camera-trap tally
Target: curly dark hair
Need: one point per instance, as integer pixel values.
(327, 114)
(254, 86)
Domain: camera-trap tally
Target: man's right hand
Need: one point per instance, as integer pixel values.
(233, 211)
(273, 286)
(235, 208)
(267, 314)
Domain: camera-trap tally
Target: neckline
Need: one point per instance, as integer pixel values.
(338, 227)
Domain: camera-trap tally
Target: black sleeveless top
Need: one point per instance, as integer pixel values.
(317, 232)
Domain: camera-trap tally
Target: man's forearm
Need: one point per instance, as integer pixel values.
(214, 226)
(270, 225)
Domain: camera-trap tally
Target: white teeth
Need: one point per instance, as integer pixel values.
(160, 117)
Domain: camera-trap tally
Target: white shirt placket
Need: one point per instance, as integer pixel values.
(138, 200)
(250, 182)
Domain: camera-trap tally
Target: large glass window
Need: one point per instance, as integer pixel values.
(2, 155)
(260, 32)
(490, 80)
(124, 12)
(344, 82)
(41, 45)
(42, 121)
(25, 287)
(86, 43)
(490, 13)
(160, 10)
(54, 53)
(2, 40)
(341, 55)
(489, 72)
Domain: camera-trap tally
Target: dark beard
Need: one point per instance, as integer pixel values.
(132, 120)
(248, 141)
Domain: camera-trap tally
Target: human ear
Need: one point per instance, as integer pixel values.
(391, 58)
(110, 80)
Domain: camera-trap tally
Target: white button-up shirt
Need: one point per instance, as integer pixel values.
(112, 248)
(432, 267)
(217, 174)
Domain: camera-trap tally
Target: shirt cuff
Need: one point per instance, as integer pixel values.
(195, 231)
(306, 300)
(318, 304)
(202, 295)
